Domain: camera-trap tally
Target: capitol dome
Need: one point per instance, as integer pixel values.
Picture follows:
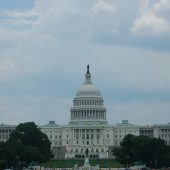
(88, 89)
(88, 103)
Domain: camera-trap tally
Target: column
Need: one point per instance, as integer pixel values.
(79, 136)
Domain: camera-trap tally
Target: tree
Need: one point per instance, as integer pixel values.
(26, 144)
(152, 151)
(3, 162)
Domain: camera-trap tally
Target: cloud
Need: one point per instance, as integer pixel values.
(98, 21)
(154, 20)
(103, 6)
(7, 65)
(20, 14)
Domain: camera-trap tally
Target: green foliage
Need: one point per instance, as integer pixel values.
(152, 151)
(27, 143)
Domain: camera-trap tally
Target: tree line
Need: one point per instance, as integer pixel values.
(151, 151)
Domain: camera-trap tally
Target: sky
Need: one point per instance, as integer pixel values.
(45, 46)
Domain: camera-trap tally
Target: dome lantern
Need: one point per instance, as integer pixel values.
(88, 76)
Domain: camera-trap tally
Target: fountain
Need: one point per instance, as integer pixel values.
(87, 165)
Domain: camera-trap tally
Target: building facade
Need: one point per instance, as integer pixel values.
(5, 131)
(89, 131)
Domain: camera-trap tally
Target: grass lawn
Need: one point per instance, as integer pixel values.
(103, 163)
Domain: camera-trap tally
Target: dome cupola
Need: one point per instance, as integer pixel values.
(88, 89)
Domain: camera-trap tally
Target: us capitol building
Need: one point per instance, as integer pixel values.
(88, 129)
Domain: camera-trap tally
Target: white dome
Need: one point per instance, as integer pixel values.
(88, 90)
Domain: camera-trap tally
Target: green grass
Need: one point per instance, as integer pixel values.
(103, 163)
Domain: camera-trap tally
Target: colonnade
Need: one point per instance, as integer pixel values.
(88, 114)
(87, 133)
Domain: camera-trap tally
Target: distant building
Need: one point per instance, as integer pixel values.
(161, 131)
(122, 129)
(89, 131)
(5, 131)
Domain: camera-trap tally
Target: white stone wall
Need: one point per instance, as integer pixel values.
(54, 135)
(123, 129)
(5, 131)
